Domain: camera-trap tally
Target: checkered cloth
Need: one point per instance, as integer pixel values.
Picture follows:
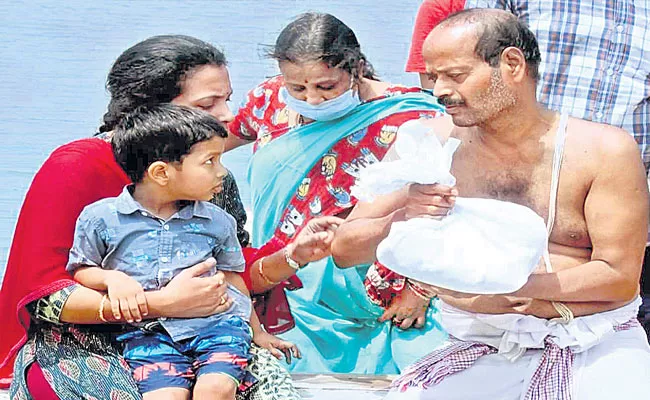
(595, 59)
(435, 367)
(552, 379)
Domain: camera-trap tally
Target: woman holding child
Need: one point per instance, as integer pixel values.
(53, 327)
(314, 126)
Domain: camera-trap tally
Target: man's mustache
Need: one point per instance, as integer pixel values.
(448, 101)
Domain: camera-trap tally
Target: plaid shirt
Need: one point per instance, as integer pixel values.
(594, 64)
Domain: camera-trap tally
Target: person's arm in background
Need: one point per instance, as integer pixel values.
(240, 131)
(430, 13)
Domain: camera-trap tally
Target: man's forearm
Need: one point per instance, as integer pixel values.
(545, 309)
(501, 304)
(593, 281)
(356, 241)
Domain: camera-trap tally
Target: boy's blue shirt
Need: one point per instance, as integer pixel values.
(117, 233)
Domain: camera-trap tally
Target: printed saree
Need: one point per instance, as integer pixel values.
(307, 171)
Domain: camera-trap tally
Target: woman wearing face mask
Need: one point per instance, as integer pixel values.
(314, 126)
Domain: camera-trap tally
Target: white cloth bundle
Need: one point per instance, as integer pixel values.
(483, 246)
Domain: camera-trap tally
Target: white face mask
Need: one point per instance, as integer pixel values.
(325, 111)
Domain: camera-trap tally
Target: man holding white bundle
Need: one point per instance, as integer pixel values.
(570, 332)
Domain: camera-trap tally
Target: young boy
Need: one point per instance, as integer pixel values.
(158, 226)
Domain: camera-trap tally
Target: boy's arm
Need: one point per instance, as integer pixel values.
(278, 347)
(125, 294)
(85, 264)
(256, 325)
(235, 279)
(92, 277)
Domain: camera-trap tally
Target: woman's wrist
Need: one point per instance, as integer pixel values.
(160, 303)
(268, 271)
(292, 259)
(260, 271)
(279, 268)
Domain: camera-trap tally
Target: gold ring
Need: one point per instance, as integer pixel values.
(223, 300)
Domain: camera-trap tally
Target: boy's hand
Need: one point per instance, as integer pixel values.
(276, 346)
(126, 296)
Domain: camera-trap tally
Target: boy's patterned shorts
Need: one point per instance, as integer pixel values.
(158, 362)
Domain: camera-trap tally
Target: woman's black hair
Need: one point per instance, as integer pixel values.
(322, 37)
(152, 72)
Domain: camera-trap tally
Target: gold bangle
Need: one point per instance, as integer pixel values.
(422, 292)
(101, 308)
(417, 292)
(566, 315)
(260, 269)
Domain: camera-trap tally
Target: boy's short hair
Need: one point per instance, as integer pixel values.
(165, 132)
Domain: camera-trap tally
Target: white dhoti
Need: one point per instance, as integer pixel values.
(601, 356)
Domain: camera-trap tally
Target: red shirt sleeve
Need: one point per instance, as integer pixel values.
(430, 13)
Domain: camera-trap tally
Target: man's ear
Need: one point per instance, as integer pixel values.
(513, 64)
(159, 172)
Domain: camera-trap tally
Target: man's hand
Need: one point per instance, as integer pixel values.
(314, 240)
(407, 309)
(429, 201)
(276, 346)
(126, 296)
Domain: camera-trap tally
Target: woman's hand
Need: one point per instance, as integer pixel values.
(314, 240)
(407, 309)
(276, 346)
(191, 295)
(429, 201)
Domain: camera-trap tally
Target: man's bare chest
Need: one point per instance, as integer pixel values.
(500, 179)
(527, 184)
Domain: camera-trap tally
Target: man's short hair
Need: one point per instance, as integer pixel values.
(497, 30)
(164, 132)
